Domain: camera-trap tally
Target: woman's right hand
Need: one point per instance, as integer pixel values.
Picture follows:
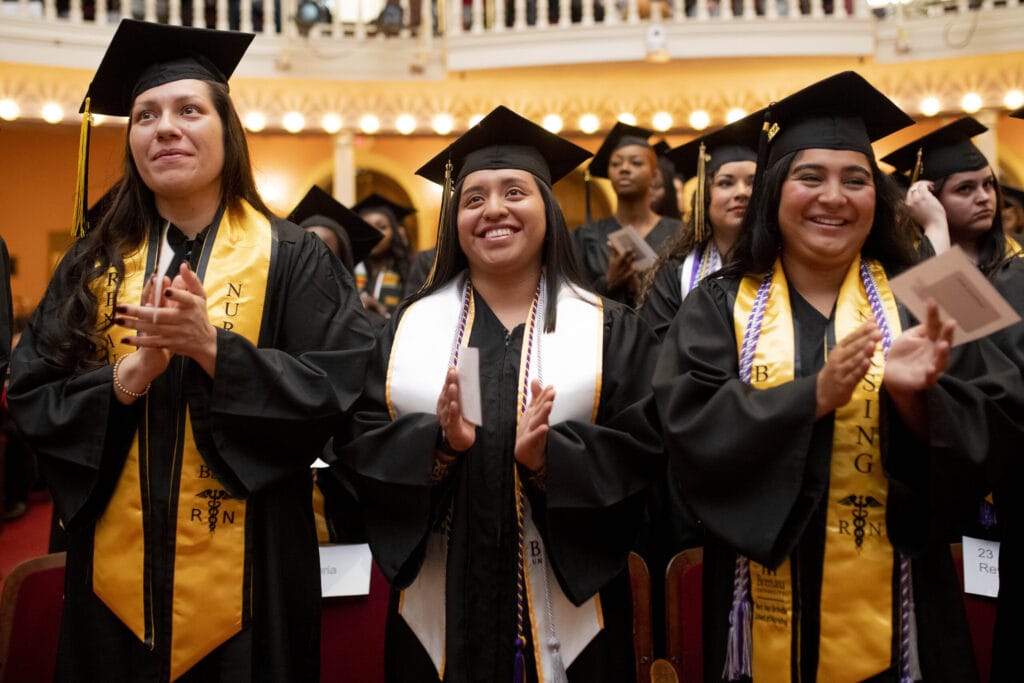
(621, 271)
(140, 368)
(927, 211)
(460, 434)
(847, 364)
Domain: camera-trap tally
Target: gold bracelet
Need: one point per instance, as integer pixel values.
(122, 388)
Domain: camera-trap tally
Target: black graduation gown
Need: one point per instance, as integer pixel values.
(259, 424)
(597, 478)
(591, 241)
(754, 464)
(1004, 472)
(6, 311)
(664, 298)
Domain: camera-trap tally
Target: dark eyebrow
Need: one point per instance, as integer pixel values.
(820, 167)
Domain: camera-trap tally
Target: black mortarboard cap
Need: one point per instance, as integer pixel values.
(842, 112)
(943, 152)
(734, 142)
(621, 135)
(504, 139)
(1018, 114)
(377, 202)
(1013, 193)
(143, 55)
(661, 148)
(320, 208)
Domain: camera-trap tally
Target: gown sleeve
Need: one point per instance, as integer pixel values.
(976, 424)
(269, 408)
(663, 299)
(598, 475)
(79, 432)
(749, 461)
(388, 464)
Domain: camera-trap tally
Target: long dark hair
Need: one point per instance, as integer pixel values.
(890, 241)
(69, 335)
(991, 245)
(681, 244)
(557, 255)
(669, 204)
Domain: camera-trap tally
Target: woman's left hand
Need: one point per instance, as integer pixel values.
(180, 324)
(919, 356)
(532, 432)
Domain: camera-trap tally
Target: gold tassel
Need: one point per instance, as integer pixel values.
(442, 221)
(918, 167)
(699, 212)
(82, 174)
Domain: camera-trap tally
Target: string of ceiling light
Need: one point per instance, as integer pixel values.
(443, 123)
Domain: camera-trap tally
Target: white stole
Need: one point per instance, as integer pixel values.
(570, 359)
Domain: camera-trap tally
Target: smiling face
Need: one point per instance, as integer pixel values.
(729, 197)
(177, 139)
(970, 202)
(501, 222)
(826, 208)
(631, 169)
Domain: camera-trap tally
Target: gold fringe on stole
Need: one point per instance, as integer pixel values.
(856, 593)
(82, 173)
(771, 590)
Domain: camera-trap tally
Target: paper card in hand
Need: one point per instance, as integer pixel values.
(961, 293)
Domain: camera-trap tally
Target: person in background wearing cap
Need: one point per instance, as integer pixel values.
(725, 179)
(954, 195)
(1013, 212)
(807, 438)
(629, 161)
(506, 542)
(345, 233)
(664, 197)
(380, 276)
(190, 358)
(955, 198)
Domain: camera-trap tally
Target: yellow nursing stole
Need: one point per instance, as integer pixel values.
(209, 574)
(856, 606)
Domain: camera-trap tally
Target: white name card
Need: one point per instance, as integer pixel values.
(345, 570)
(981, 567)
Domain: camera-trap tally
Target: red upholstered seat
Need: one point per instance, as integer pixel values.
(30, 609)
(981, 618)
(684, 614)
(352, 637)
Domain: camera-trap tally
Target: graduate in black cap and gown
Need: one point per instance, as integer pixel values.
(724, 163)
(190, 358)
(811, 421)
(630, 162)
(506, 542)
(955, 196)
(381, 276)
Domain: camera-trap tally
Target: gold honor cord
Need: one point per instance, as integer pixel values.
(771, 590)
(210, 554)
(856, 591)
